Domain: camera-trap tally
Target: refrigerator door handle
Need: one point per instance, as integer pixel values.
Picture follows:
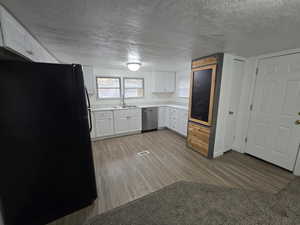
(89, 110)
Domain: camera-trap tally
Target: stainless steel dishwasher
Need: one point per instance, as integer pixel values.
(149, 119)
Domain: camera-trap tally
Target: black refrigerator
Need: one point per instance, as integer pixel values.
(46, 161)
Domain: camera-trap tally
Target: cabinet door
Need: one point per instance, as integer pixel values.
(135, 123)
(122, 125)
(170, 82)
(48, 57)
(173, 119)
(33, 49)
(162, 117)
(163, 82)
(202, 99)
(167, 111)
(13, 33)
(88, 75)
(157, 83)
(104, 127)
(182, 122)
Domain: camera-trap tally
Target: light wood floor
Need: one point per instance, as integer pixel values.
(123, 176)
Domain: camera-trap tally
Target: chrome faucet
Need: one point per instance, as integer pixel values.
(123, 104)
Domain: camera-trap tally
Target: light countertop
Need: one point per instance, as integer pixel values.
(97, 108)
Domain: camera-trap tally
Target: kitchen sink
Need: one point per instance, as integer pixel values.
(125, 107)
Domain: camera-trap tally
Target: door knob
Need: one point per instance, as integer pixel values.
(297, 122)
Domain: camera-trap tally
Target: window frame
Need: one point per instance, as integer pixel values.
(134, 78)
(112, 77)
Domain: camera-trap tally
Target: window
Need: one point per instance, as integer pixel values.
(108, 87)
(134, 87)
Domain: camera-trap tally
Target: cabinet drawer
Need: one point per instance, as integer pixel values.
(198, 145)
(128, 113)
(103, 114)
(135, 112)
(198, 138)
(197, 129)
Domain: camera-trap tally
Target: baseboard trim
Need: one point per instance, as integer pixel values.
(116, 135)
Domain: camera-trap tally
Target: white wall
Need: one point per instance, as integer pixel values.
(148, 98)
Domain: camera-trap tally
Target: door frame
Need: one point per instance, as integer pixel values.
(253, 75)
(244, 61)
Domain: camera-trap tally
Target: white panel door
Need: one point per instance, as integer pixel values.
(235, 94)
(273, 132)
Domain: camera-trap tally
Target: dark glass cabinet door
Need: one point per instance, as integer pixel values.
(202, 93)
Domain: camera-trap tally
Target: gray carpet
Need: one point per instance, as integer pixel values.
(187, 203)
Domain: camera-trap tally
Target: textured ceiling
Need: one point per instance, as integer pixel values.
(162, 34)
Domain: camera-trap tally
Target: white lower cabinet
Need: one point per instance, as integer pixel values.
(124, 121)
(182, 121)
(103, 124)
(162, 116)
(104, 127)
(175, 119)
(116, 122)
(127, 120)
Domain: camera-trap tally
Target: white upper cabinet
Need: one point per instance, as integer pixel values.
(14, 34)
(88, 75)
(16, 38)
(163, 82)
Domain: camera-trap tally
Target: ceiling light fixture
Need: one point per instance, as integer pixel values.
(134, 66)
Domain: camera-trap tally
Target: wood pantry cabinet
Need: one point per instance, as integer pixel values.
(204, 95)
